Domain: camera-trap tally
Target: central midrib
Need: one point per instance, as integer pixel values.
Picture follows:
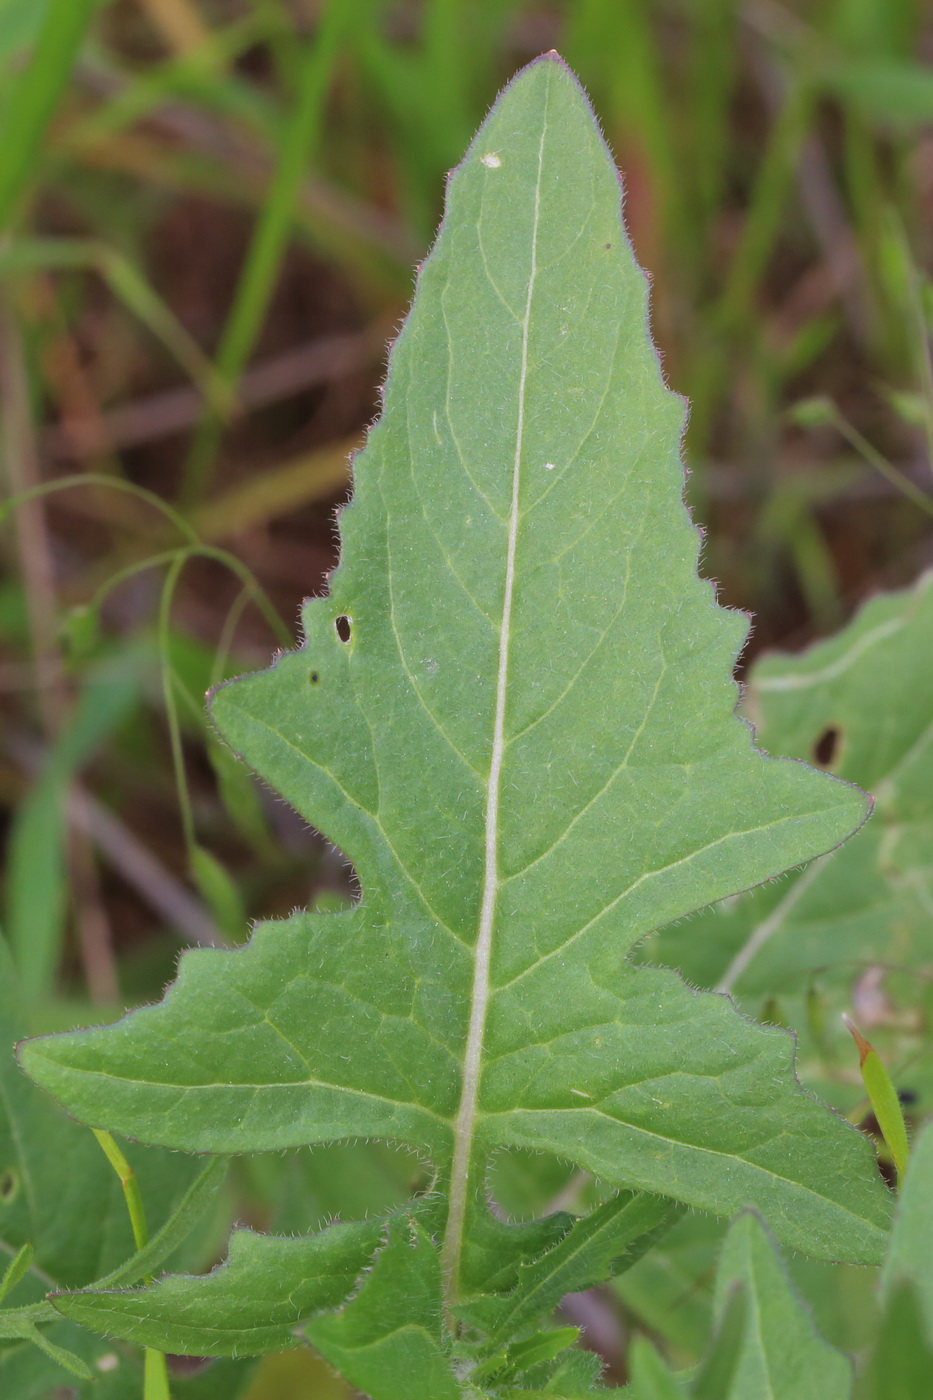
(464, 1126)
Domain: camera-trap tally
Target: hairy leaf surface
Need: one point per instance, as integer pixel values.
(610, 1238)
(389, 1339)
(860, 703)
(515, 713)
(252, 1303)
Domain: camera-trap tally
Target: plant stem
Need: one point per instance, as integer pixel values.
(155, 1374)
(881, 464)
(168, 693)
(130, 1185)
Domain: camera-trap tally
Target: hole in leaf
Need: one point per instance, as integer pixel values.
(826, 747)
(9, 1186)
(343, 628)
(313, 678)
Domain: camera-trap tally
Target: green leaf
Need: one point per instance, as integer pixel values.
(577, 1375)
(891, 93)
(29, 1332)
(781, 1356)
(29, 1373)
(57, 1192)
(602, 1244)
(249, 1305)
(514, 713)
(541, 1347)
(883, 1097)
(218, 889)
(715, 1378)
(869, 901)
(36, 93)
(189, 1209)
(910, 1254)
(237, 788)
(902, 1361)
(669, 1290)
(36, 878)
(17, 1268)
(652, 1378)
(387, 1340)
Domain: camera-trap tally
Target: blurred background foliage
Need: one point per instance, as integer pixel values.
(211, 210)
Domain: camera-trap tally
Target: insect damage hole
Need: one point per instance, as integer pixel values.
(9, 1186)
(826, 747)
(313, 677)
(343, 627)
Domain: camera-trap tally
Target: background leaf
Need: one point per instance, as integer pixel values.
(910, 1254)
(858, 704)
(781, 1356)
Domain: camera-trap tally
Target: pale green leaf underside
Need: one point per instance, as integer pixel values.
(528, 749)
(250, 1305)
(867, 693)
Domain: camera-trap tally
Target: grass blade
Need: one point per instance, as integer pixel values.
(36, 96)
(267, 248)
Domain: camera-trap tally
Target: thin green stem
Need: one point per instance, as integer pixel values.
(152, 561)
(236, 566)
(155, 1383)
(258, 594)
(155, 1376)
(765, 206)
(168, 677)
(881, 464)
(130, 1185)
(51, 488)
(252, 591)
(225, 641)
(168, 693)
